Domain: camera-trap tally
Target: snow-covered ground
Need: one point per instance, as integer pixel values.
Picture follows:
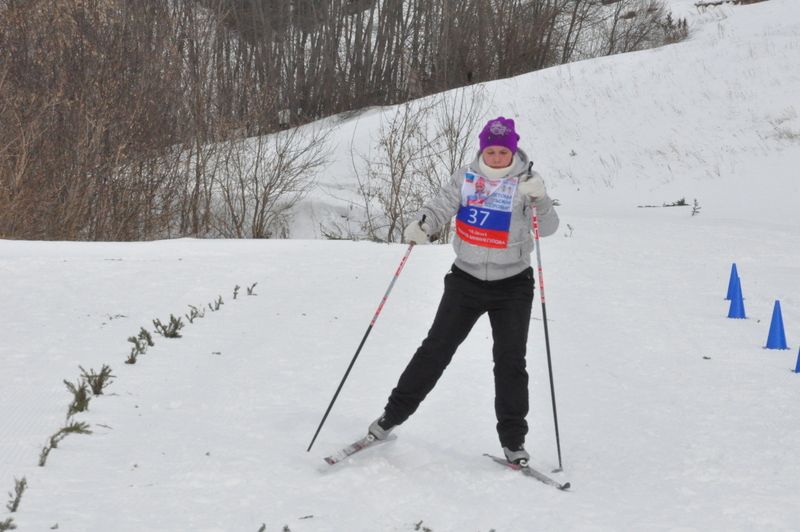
(672, 416)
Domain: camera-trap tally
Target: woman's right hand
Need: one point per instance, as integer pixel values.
(416, 232)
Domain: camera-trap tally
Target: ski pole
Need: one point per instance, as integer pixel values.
(364, 339)
(546, 334)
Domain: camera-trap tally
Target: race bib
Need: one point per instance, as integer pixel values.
(484, 217)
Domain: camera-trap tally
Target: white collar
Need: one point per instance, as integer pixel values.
(495, 173)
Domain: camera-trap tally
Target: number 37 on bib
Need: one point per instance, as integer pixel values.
(484, 217)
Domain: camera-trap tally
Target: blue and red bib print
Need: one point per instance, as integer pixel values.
(484, 217)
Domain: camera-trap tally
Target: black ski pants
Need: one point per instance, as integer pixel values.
(465, 299)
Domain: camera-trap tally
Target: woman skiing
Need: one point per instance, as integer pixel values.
(492, 201)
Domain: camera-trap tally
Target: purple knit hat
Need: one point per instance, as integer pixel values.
(499, 132)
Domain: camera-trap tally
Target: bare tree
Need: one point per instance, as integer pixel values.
(390, 190)
(114, 111)
(262, 178)
(456, 117)
(635, 25)
(419, 146)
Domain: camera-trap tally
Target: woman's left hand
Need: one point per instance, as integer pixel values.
(533, 187)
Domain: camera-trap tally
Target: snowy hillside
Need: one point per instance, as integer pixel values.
(672, 416)
(714, 118)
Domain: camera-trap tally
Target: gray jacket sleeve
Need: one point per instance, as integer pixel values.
(548, 217)
(443, 206)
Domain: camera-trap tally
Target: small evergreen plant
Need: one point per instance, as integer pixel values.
(195, 313)
(16, 497)
(216, 304)
(146, 337)
(76, 427)
(80, 397)
(139, 348)
(140, 344)
(97, 381)
(170, 330)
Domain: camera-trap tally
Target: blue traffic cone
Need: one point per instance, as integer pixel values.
(732, 281)
(737, 303)
(777, 337)
(797, 368)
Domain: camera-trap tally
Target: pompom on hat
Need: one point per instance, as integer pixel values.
(499, 132)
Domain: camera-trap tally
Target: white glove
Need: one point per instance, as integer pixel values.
(416, 232)
(533, 187)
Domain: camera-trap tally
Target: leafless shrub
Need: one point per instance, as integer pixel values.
(86, 101)
(413, 157)
(457, 117)
(635, 25)
(262, 178)
(123, 120)
(389, 189)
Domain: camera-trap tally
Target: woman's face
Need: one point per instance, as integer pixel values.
(497, 157)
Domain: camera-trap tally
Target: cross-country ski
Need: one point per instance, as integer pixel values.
(529, 471)
(357, 446)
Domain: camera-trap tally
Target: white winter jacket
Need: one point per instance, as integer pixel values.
(492, 263)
